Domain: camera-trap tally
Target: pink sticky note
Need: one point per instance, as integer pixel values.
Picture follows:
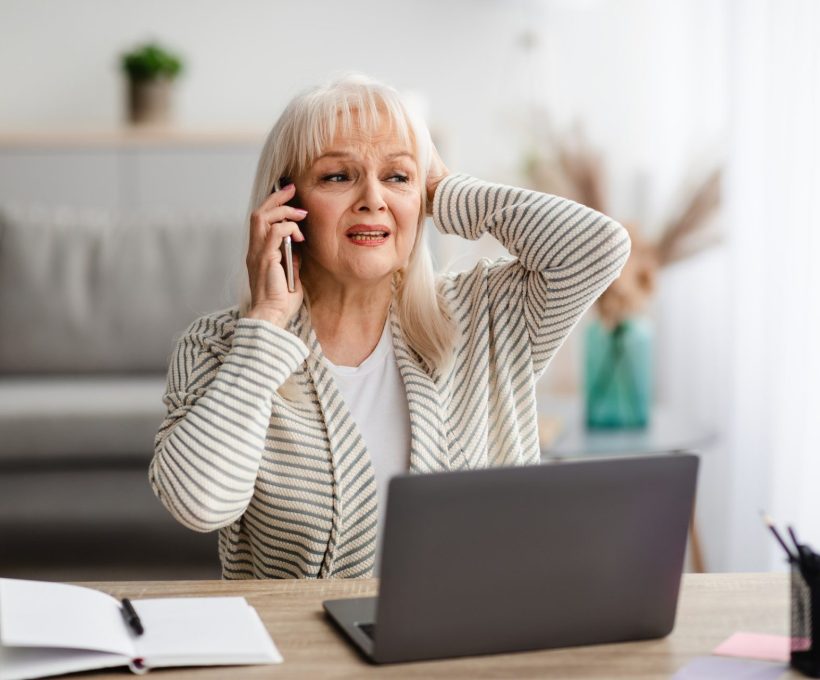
(755, 646)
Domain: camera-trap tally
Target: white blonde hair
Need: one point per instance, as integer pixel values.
(305, 129)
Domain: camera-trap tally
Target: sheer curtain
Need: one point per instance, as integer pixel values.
(656, 86)
(772, 191)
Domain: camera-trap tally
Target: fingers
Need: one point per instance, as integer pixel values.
(265, 268)
(273, 244)
(270, 223)
(280, 197)
(273, 209)
(262, 219)
(269, 247)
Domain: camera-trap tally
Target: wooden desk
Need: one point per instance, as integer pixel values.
(712, 606)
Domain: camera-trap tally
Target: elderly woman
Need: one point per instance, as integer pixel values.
(288, 413)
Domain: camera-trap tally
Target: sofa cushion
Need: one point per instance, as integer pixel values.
(89, 291)
(44, 420)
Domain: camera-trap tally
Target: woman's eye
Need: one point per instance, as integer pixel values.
(335, 177)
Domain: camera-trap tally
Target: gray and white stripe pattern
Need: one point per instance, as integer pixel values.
(289, 484)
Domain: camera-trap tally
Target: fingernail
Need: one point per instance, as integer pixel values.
(301, 212)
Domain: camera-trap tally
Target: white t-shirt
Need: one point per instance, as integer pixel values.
(375, 395)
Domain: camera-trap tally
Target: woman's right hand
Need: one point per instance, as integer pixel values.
(270, 223)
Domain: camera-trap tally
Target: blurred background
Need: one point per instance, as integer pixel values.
(122, 213)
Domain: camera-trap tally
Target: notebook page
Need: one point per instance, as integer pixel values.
(202, 630)
(17, 663)
(42, 614)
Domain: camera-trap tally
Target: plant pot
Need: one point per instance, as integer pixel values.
(149, 101)
(618, 374)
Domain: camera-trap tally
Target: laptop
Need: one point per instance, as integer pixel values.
(570, 553)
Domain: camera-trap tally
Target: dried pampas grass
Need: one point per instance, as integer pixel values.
(572, 170)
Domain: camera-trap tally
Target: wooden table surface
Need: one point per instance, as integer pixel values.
(712, 607)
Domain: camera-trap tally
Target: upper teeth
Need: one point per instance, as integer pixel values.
(368, 233)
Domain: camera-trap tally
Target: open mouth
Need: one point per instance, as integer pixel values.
(368, 236)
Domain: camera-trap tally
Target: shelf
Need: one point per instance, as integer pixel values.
(128, 137)
(562, 421)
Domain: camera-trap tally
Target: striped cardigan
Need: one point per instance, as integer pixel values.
(289, 484)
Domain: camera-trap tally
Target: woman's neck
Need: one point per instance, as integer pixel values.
(349, 320)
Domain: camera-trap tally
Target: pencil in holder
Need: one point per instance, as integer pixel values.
(805, 615)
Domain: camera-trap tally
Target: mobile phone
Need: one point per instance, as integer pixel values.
(287, 244)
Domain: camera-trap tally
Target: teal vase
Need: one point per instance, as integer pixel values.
(618, 374)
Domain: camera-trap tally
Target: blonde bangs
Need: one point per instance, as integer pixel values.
(353, 108)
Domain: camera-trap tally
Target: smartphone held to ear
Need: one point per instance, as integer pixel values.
(287, 248)
(287, 245)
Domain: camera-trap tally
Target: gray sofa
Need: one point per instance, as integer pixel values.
(90, 307)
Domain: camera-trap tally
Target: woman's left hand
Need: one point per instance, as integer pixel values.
(437, 172)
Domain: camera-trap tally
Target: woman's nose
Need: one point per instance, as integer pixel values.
(371, 196)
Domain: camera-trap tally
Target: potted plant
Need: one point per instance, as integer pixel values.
(150, 70)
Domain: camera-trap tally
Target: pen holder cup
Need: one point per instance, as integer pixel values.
(805, 624)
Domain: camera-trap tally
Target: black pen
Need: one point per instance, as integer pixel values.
(131, 616)
(770, 524)
(794, 538)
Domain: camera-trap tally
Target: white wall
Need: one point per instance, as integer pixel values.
(648, 79)
(246, 59)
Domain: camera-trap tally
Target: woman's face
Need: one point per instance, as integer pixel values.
(363, 199)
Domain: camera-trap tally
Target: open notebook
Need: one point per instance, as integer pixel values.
(54, 628)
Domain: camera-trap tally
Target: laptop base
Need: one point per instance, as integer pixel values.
(349, 614)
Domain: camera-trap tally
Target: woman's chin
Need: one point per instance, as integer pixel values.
(375, 273)
(374, 266)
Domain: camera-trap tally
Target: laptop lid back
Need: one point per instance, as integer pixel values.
(554, 555)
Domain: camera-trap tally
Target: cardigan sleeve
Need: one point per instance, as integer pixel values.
(219, 398)
(565, 254)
